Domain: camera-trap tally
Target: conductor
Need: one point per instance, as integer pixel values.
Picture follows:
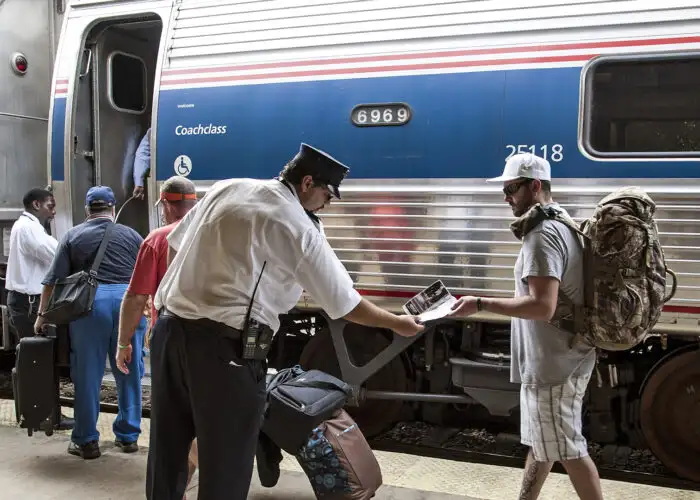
(240, 258)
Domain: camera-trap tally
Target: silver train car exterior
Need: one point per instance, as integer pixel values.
(27, 50)
(424, 101)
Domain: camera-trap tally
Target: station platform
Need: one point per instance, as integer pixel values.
(39, 468)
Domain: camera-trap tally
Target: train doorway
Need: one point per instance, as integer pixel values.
(112, 112)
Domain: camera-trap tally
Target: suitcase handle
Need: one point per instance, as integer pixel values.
(319, 384)
(44, 332)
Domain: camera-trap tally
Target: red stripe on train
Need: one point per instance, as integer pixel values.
(379, 69)
(439, 54)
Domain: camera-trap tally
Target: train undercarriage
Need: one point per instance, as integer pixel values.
(458, 372)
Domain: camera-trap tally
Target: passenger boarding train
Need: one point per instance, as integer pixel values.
(424, 101)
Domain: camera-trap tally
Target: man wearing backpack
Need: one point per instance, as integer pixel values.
(551, 367)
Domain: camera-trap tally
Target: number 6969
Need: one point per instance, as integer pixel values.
(373, 115)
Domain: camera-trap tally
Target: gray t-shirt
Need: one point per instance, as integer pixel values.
(540, 352)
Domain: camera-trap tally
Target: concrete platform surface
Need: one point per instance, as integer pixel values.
(39, 468)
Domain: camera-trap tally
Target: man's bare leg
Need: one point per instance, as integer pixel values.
(584, 476)
(533, 477)
(192, 463)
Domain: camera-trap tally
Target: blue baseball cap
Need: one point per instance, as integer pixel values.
(100, 195)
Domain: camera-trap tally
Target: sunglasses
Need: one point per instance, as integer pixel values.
(511, 189)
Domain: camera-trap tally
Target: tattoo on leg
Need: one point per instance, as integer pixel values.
(529, 480)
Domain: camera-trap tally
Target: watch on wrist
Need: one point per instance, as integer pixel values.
(479, 305)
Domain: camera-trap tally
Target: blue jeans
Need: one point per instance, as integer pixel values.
(93, 338)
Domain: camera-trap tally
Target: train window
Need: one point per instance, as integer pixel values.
(127, 82)
(643, 107)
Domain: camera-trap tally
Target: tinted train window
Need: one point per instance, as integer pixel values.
(127, 83)
(643, 107)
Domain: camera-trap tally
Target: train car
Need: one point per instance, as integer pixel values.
(27, 50)
(424, 101)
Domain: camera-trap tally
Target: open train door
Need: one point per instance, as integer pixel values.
(113, 109)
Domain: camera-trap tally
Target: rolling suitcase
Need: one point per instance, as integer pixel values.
(339, 462)
(34, 384)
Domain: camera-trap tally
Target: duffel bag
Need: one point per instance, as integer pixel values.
(298, 401)
(339, 462)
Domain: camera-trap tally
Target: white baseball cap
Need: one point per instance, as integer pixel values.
(525, 165)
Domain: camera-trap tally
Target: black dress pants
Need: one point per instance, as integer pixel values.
(22, 309)
(201, 387)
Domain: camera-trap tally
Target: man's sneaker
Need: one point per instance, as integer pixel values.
(87, 451)
(127, 447)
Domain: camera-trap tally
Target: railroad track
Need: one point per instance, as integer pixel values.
(613, 474)
(104, 407)
(462, 455)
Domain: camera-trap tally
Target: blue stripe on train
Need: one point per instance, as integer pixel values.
(57, 139)
(461, 127)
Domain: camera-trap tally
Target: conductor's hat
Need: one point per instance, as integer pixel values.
(322, 167)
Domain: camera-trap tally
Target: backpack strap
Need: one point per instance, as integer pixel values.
(673, 287)
(101, 251)
(571, 317)
(528, 221)
(538, 214)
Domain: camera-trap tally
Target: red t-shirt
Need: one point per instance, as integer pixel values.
(151, 264)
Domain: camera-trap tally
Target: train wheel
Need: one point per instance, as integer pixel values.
(670, 411)
(372, 416)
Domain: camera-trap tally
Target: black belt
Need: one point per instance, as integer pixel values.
(255, 342)
(24, 294)
(211, 325)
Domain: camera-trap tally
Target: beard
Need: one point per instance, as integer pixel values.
(521, 207)
(517, 210)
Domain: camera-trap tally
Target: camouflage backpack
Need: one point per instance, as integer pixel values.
(623, 266)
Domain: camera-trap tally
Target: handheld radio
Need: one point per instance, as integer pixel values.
(253, 330)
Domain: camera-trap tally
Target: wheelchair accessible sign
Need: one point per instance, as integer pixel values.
(183, 165)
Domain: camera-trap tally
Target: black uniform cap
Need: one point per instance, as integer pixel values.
(322, 167)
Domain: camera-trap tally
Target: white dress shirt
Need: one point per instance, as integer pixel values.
(222, 244)
(31, 253)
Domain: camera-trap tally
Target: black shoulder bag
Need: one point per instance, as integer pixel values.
(73, 297)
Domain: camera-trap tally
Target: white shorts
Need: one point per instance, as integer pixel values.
(550, 419)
